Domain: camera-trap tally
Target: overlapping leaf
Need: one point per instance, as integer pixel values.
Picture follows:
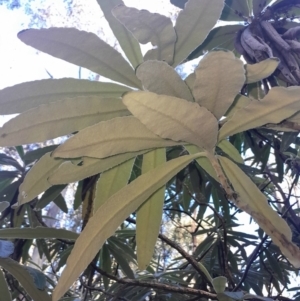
(259, 5)
(5, 293)
(231, 151)
(235, 10)
(174, 118)
(240, 101)
(83, 49)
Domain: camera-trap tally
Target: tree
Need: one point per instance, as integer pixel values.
(151, 148)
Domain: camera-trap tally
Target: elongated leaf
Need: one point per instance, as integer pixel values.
(84, 49)
(271, 109)
(127, 42)
(213, 88)
(111, 214)
(149, 215)
(35, 181)
(59, 118)
(240, 101)
(174, 118)
(254, 202)
(112, 181)
(50, 195)
(231, 151)
(261, 70)
(69, 172)
(169, 83)
(108, 138)
(4, 205)
(149, 27)
(25, 279)
(235, 10)
(25, 96)
(193, 24)
(5, 293)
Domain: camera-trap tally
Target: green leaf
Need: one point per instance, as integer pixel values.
(4, 205)
(231, 151)
(259, 5)
(84, 49)
(149, 215)
(261, 70)
(271, 109)
(179, 3)
(105, 264)
(36, 154)
(5, 293)
(59, 118)
(39, 278)
(111, 214)
(213, 88)
(174, 118)
(149, 27)
(51, 194)
(35, 181)
(60, 202)
(169, 83)
(25, 279)
(112, 137)
(219, 284)
(25, 96)
(287, 140)
(235, 10)
(127, 42)
(193, 24)
(240, 101)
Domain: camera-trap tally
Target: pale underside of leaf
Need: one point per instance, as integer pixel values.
(193, 24)
(279, 104)
(169, 83)
(25, 96)
(213, 88)
(240, 101)
(149, 214)
(112, 137)
(84, 49)
(128, 43)
(261, 70)
(231, 151)
(254, 202)
(149, 27)
(111, 214)
(59, 118)
(174, 118)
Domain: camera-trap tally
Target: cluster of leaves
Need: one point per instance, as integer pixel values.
(147, 144)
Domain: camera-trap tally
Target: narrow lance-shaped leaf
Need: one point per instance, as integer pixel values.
(149, 27)
(84, 49)
(169, 83)
(213, 88)
(279, 104)
(59, 118)
(254, 202)
(111, 214)
(193, 24)
(149, 215)
(174, 118)
(25, 96)
(112, 137)
(5, 293)
(128, 43)
(231, 151)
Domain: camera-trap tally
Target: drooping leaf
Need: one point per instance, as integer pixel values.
(261, 70)
(84, 49)
(149, 215)
(59, 118)
(35, 181)
(5, 293)
(112, 137)
(254, 202)
(174, 118)
(235, 10)
(169, 83)
(25, 96)
(127, 42)
(111, 214)
(193, 24)
(271, 109)
(231, 151)
(25, 279)
(149, 27)
(213, 88)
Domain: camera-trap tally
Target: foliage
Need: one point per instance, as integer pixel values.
(152, 148)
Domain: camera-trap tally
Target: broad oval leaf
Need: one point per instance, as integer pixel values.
(128, 43)
(174, 118)
(25, 96)
(169, 83)
(111, 214)
(261, 70)
(59, 118)
(279, 104)
(84, 49)
(149, 27)
(254, 202)
(213, 88)
(112, 137)
(193, 24)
